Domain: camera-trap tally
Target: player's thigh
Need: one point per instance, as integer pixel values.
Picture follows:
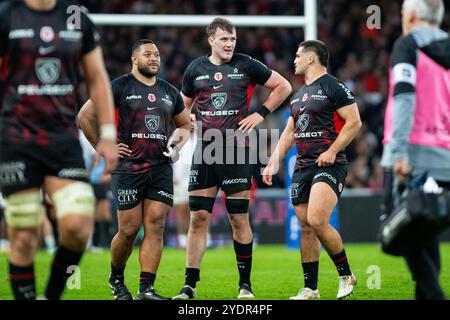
(154, 215)
(158, 196)
(327, 186)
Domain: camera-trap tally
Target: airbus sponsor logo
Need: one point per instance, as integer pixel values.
(73, 173)
(295, 100)
(21, 34)
(204, 77)
(134, 97)
(70, 35)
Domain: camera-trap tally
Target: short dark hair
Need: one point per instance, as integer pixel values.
(319, 48)
(139, 43)
(219, 23)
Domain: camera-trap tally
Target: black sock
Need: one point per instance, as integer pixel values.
(22, 282)
(244, 261)
(96, 235)
(311, 274)
(192, 276)
(117, 273)
(146, 280)
(341, 263)
(59, 271)
(105, 237)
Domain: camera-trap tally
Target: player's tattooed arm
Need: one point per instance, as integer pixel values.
(283, 146)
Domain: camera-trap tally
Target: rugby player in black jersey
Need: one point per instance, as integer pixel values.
(40, 53)
(324, 120)
(146, 109)
(217, 88)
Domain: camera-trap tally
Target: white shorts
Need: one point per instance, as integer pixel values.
(181, 170)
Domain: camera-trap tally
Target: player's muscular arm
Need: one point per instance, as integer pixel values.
(188, 105)
(348, 132)
(180, 136)
(283, 146)
(280, 90)
(87, 122)
(100, 92)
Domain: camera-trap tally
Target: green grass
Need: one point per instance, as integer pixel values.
(276, 274)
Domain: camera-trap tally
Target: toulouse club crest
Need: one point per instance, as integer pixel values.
(219, 99)
(151, 97)
(47, 69)
(303, 122)
(218, 76)
(152, 123)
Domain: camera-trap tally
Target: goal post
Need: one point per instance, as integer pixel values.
(308, 21)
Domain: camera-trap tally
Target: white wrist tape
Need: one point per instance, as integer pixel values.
(108, 131)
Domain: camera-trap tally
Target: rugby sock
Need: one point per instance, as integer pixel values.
(22, 282)
(146, 280)
(192, 276)
(59, 271)
(116, 273)
(311, 274)
(341, 263)
(244, 261)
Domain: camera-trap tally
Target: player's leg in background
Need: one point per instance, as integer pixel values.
(103, 217)
(322, 201)
(24, 234)
(182, 220)
(47, 233)
(4, 241)
(74, 204)
(237, 206)
(201, 203)
(309, 253)
(155, 214)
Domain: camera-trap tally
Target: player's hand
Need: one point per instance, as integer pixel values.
(402, 169)
(123, 150)
(193, 122)
(268, 173)
(108, 150)
(326, 159)
(250, 122)
(172, 153)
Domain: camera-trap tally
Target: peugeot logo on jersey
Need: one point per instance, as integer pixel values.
(218, 76)
(152, 122)
(303, 122)
(151, 97)
(47, 69)
(219, 99)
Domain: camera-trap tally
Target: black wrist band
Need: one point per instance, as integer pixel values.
(263, 111)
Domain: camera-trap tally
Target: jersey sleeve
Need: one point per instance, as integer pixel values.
(5, 14)
(91, 37)
(258, 71)
(340, 95)
(187, 84)
(403, 62)
(179, 105)
(117, 87)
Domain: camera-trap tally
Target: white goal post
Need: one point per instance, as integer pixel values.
(308, 21)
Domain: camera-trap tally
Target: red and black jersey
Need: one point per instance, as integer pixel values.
(222, 93)
(317, 124)
(144, 120)
(40, 53)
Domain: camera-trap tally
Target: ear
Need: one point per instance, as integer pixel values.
(210, 40)
(133, 59)
(311, 58)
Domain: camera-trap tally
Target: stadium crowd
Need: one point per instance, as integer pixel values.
(359, 56)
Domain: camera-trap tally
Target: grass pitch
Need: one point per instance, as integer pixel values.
(276, 274)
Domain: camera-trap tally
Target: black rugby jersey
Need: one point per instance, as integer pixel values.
(222, 93)
(144, 120)
(41, 51)
(317, 124)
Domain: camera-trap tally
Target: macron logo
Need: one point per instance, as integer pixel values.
(134, 97)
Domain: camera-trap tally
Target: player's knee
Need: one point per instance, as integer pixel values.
(25, 244)
(237, 205)
(24, 210)
(317, 224)
(199, 220)
(74, 198)
(240, 223)
(198, 203)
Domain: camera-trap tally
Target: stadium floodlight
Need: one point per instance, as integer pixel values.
(308, 21)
